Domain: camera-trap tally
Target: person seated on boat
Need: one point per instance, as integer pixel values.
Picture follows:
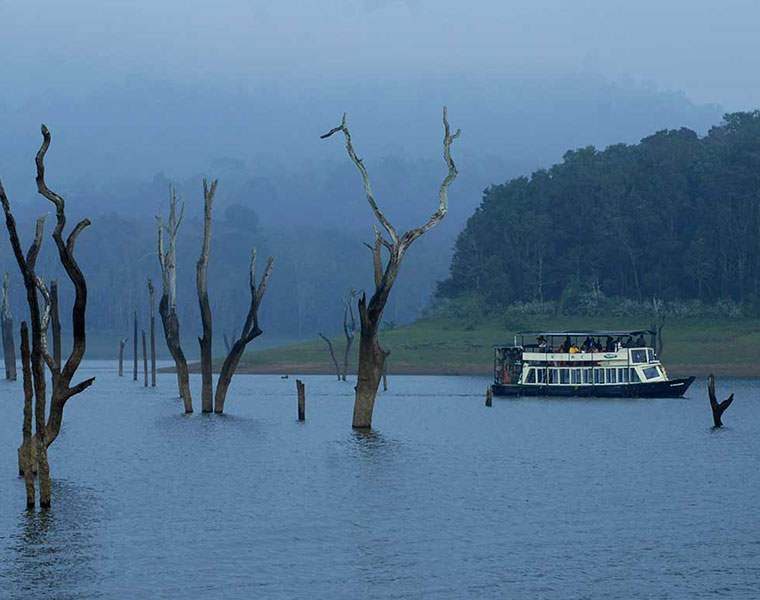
(618, 344)
(597, 346)
(565, 347)
(588, 344)
(628, 342)
(541, 342)
(641, 342)
(609, 345)
(574, 349)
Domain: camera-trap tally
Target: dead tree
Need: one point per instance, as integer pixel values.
(145, 358)
(349, 328)
(658, 324)
(9, 345)
(152, 293)
(250, 331)
(55, 322)
(134, 349)
(47, 431)
(371, 355)
(122, 343)
(167, 306)
(332, 354)
(718, 408)
(201, 284)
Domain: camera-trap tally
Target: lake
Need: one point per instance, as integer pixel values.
(444, 498)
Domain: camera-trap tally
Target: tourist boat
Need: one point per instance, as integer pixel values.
(602, 364)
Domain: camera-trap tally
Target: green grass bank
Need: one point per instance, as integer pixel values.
(451, 347)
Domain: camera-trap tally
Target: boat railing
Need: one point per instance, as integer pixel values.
(624, 354)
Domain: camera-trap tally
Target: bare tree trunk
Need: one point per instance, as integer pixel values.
(56, 322)
(9, 346)
(250, 331)
(152, 293)
(371, 356)
(301, 400)
(332, 354)
(718, 408)
(46, 432)
(201, 282)
(134, 350)
(122, 343)
(167, 305)
(145, 357)
(26, 455)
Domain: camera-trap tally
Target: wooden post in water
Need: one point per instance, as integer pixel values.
(145, 357)
(301, 400)
(385, 376)
(489, 396)
(134, 348)
(122, 343)
(152, 293)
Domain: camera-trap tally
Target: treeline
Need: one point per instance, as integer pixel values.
(675, 216)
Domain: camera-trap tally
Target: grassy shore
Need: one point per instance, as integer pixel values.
(449, 347)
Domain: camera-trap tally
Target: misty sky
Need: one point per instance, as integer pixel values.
(709, 50)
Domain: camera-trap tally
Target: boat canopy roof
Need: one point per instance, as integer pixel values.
(578, 333)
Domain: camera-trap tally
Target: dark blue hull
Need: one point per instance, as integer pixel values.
(675, 388)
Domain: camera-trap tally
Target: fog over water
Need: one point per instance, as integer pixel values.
(141, 94)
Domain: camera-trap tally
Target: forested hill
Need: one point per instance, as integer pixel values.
(675, 216)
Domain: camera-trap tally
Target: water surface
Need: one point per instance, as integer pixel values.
(445, 498)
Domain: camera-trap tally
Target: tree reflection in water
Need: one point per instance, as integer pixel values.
(54, 549)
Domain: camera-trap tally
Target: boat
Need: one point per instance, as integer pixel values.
(600, 364)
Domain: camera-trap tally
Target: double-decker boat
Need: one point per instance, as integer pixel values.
(603, 364)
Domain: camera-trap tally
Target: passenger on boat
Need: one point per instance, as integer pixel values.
(628, 342)
(640, 342)
(588, 344)
(574, 349)
(541, 342)
(609, 345)
(565, 347)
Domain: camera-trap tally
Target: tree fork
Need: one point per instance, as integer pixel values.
(718, 408)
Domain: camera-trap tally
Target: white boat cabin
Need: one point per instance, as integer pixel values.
(596, 358)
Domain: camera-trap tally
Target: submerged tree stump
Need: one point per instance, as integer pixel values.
(489, 396)
(718, 408)
(301, 400)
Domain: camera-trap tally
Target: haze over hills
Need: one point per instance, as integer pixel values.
(116, 150)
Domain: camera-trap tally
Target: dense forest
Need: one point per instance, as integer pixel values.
(675, 216)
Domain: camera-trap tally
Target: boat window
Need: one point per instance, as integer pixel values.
(634, 376)
(531, 378)
(598, 375)
(564, 375)
(651, 355)
(622, 375)
(553, 376)
(541, 375)
(611, 375)
(651, 372)
(638, 356)
(588, 375)
(576, 375)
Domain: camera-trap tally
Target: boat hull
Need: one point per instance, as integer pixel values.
(674, 388)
